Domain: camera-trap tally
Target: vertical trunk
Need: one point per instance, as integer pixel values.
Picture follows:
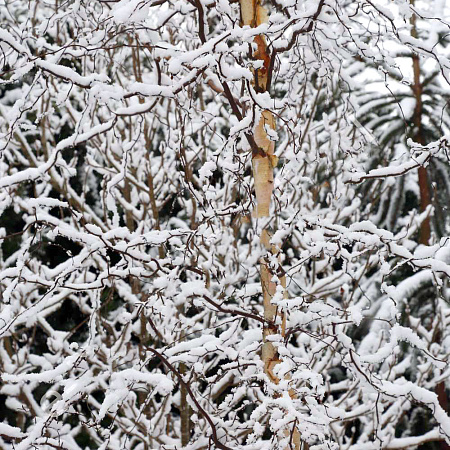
(185, 410)
(425, 197)
(425, 200)
(254, 14)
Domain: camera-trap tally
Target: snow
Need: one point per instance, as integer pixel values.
(129, 257)
(126, 11)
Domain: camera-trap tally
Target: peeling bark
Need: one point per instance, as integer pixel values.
(254, 14)
(264, 160)
(263, 165)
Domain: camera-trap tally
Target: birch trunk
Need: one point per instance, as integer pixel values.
(264, 160)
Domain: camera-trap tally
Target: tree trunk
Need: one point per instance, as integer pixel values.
(264, 160)
(425, 197)
(185, 411)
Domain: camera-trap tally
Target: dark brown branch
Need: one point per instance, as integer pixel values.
(201, 22)
(303, 30)
(234, 311)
